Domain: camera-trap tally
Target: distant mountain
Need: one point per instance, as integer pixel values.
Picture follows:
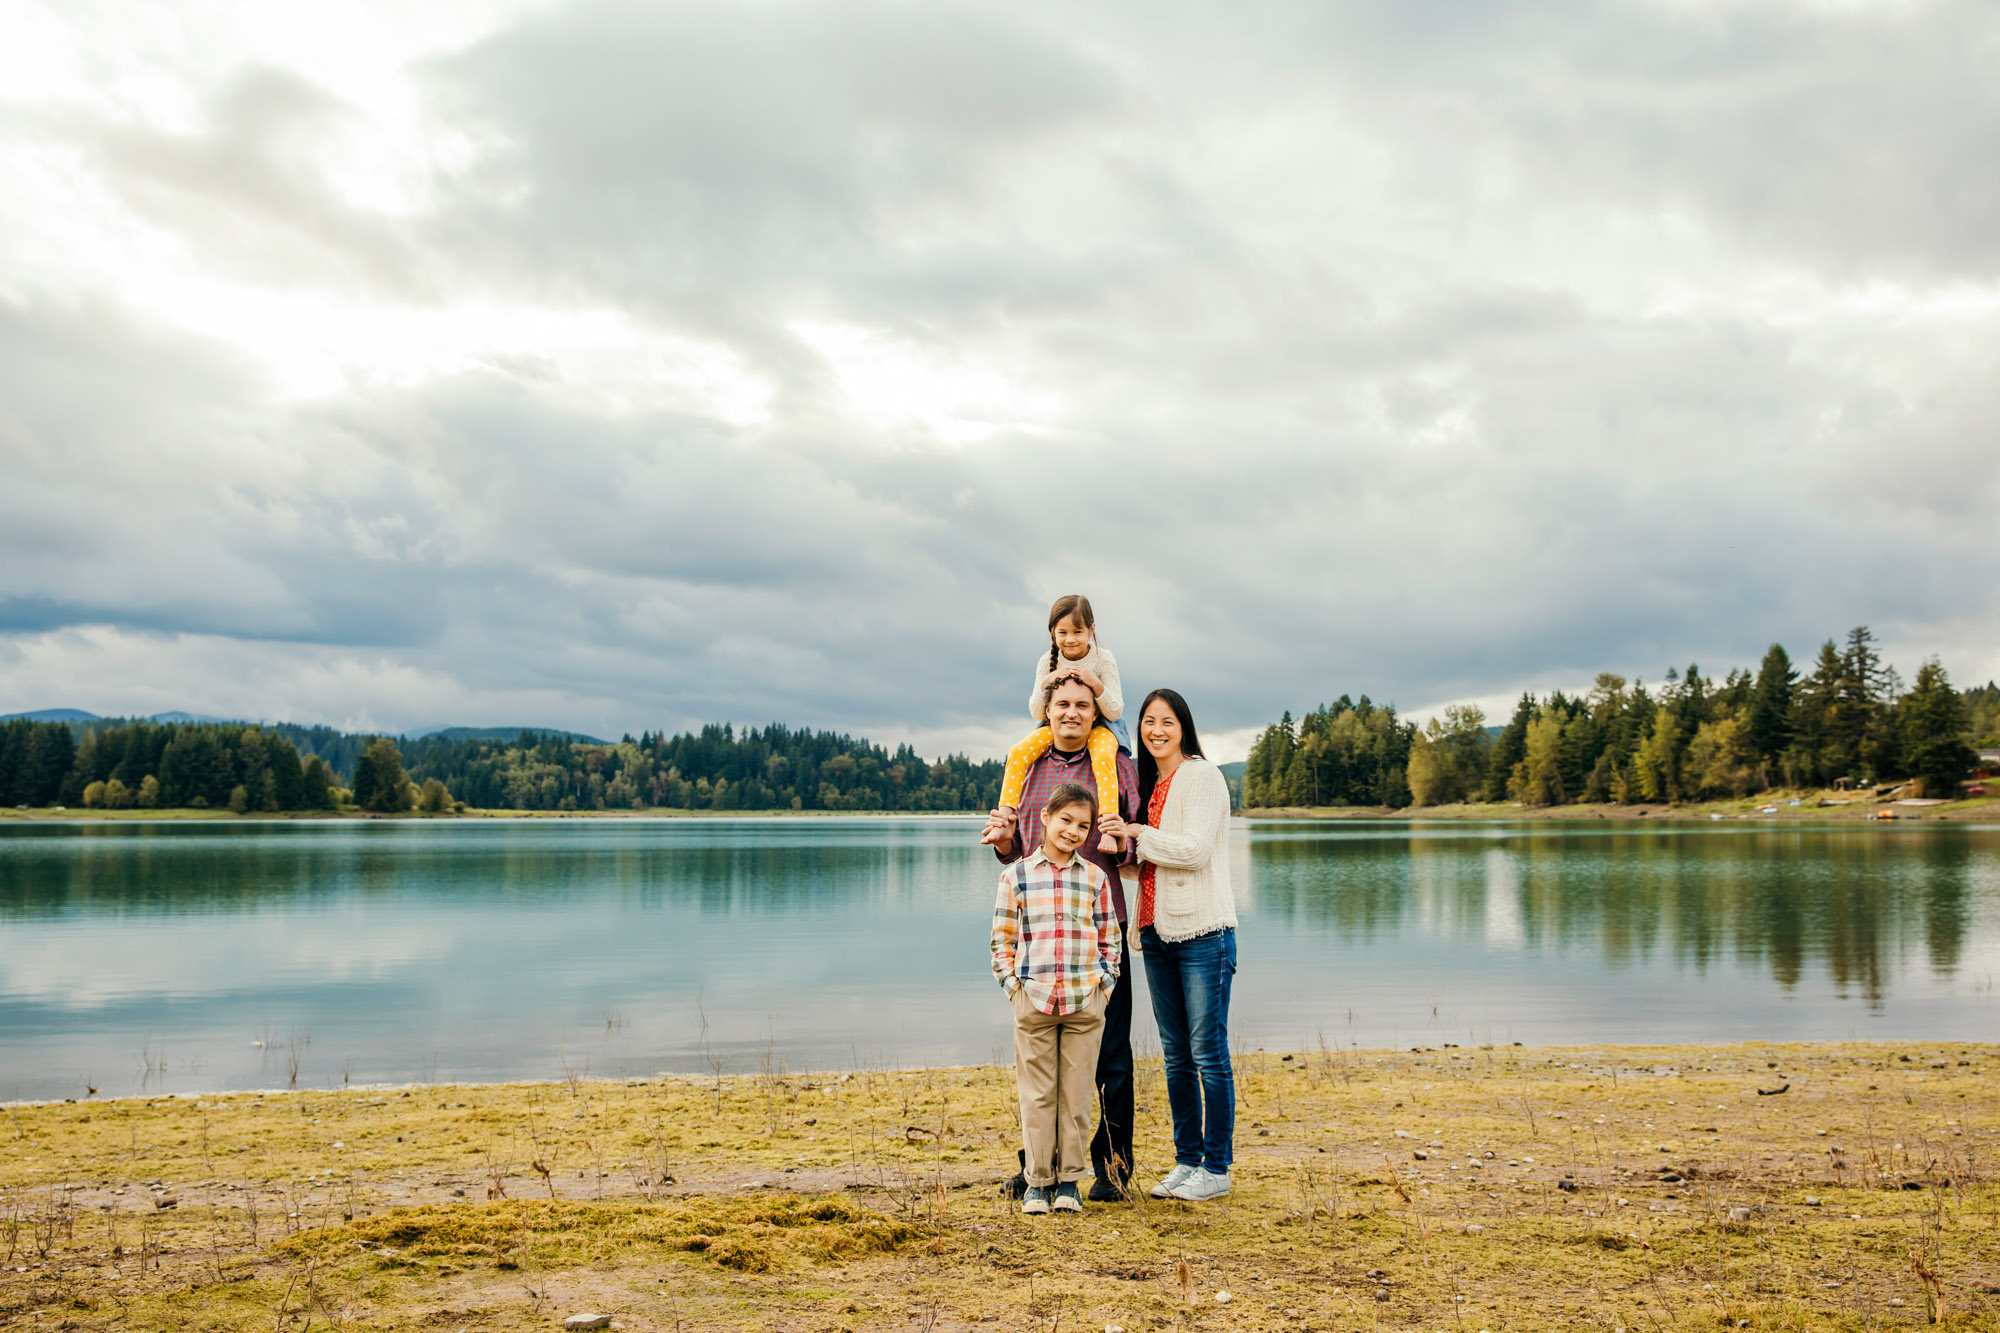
(1233, 775)
(497, 734)
(78, 715)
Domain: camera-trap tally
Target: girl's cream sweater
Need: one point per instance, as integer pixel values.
(1190, 850)
(1111, 703)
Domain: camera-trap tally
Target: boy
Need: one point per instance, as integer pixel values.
(1055, 952)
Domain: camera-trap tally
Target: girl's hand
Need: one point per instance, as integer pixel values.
(1089, 678)
(999, 830)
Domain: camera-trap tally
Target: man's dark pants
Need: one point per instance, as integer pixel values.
(1113, 1139)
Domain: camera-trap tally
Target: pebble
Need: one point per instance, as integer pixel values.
(588, 1320)
(1222, 1298)
(1739, 1214)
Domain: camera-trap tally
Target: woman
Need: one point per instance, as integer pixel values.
(1186, 933)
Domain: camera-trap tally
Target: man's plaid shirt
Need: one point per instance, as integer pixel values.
(1054, 932)
(1051, 771)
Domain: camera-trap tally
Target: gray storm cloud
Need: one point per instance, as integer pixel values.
(622, 366)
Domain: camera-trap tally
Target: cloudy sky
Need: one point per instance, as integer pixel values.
(618, 365)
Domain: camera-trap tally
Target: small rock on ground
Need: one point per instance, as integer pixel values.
(588, 1320)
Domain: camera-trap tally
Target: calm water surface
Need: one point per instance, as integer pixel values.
(155, 956)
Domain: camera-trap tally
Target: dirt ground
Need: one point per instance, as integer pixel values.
(1841, 1186)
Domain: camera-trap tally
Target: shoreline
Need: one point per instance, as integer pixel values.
(1438, 1186)
(1976, 810)
(49, 815)
(1746, 809)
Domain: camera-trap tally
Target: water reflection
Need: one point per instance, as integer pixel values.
(1850, 900)
(479, 950)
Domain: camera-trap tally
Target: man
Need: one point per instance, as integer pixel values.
(1072, 712)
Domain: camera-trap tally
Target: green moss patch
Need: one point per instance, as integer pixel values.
(750, 1235)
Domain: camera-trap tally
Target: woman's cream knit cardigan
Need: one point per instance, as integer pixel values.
(1190, 848)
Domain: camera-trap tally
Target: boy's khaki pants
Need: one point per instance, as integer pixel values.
(1055, 1065)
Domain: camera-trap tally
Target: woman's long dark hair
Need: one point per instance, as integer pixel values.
(1149, 769)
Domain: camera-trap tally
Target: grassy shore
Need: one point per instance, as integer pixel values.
(1447, 1188)
(1840, 806)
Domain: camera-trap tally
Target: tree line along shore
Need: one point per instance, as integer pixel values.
(136, 766)
(1849, 723)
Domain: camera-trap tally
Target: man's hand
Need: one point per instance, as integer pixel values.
(999, 831)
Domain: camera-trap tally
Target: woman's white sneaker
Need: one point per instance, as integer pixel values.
(1201, 1186)
(1175, 1179)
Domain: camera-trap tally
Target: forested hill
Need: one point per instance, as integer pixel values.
(147, 764)
(716, 768)
(1848, 719)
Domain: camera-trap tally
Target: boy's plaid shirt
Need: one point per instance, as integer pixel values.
(1055, 932)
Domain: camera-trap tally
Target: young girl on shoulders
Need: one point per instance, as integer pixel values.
(1073, 651)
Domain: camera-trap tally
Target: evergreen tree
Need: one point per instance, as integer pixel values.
(1855, 727)
(1771, 703)
(1932, 719)
(315, 786)
(1509, 749)
(1815, 756)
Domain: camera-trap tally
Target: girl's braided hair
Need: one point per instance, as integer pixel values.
(1075, 604)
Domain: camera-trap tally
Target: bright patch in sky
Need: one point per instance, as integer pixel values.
(891, 384)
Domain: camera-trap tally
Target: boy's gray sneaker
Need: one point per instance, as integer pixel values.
(1066, 1200)
(1036, 1200)
(1202, 1186)
(1175, 1179)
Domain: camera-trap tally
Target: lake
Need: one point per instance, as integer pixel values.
(186, 957)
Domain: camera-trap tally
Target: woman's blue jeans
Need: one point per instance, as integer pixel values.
(1189, 982)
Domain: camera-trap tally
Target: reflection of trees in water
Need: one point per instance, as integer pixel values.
(1851, 899)
(147, 869)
